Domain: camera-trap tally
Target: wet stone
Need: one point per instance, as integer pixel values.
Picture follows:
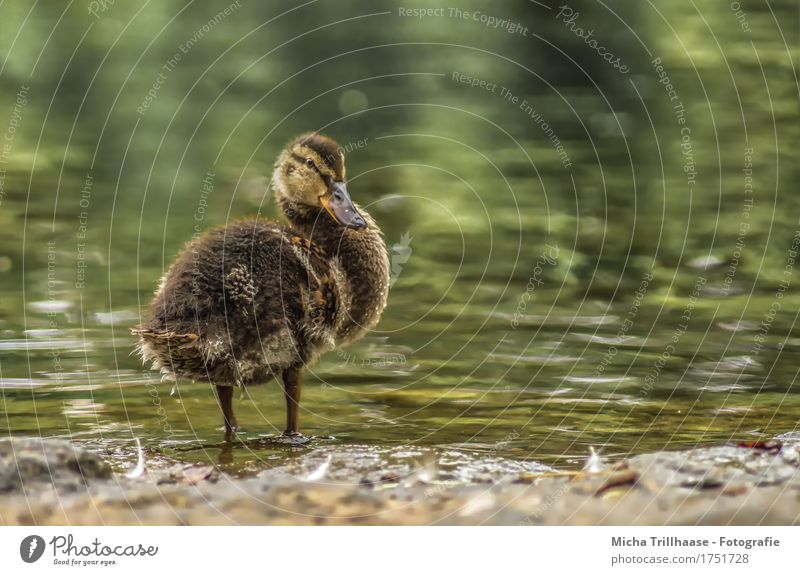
(371, 465)
(405, 485)
(718, 467)
(31, 463)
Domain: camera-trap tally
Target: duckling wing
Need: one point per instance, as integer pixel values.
(172, 353)
(253, 296)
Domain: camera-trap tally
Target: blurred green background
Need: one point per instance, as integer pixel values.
(573, 266)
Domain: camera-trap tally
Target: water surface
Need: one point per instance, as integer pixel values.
(538, 308)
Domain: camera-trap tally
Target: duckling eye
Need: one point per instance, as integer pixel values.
(310, 163)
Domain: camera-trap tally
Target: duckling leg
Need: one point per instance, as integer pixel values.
(292, 382)
(225, 397)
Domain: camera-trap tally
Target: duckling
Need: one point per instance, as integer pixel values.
(257, 299)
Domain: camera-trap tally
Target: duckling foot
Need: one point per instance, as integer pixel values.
(290, 440)
(293, 438)
(231, 432)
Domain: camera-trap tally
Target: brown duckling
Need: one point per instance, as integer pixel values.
(256, 299)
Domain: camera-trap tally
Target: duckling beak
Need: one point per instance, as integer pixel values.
(338, 204)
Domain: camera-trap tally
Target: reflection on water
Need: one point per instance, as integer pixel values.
(535, 310)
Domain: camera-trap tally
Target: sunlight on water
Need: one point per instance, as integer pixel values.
(536, 309)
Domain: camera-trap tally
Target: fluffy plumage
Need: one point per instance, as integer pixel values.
(256, 299)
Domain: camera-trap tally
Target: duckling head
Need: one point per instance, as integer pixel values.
(310, 177)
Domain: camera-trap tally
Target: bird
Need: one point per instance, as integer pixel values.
(256, 299)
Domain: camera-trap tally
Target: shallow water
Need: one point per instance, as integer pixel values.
(537, 310)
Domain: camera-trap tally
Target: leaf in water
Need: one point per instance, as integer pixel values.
(194, 475)
(763, 445)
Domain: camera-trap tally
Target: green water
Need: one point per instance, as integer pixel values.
(545, 300)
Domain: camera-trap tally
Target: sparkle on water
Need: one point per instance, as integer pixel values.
(536, 309)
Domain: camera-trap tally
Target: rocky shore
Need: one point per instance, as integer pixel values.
(53, 482)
